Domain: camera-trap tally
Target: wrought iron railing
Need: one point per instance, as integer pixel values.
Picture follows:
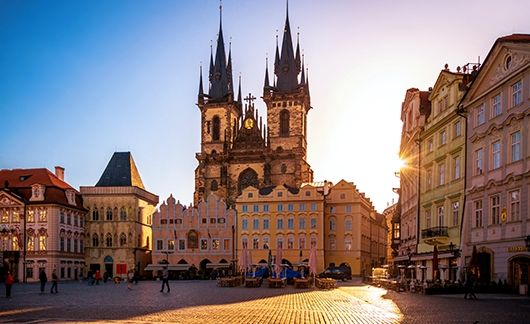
(434, 232)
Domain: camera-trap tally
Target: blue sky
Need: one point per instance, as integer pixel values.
(82, 79)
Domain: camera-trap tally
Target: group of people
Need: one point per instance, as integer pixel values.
(43, 278)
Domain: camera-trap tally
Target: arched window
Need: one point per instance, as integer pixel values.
(95, 214)
(95, 240)
(123, 239)
(247, 177)
(108, 240)
(214, 186)
(216, 128)
(332, 224)
(109, 214)
(284, 123)
(123, 214)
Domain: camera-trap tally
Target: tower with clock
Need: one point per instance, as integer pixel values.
(237, 149)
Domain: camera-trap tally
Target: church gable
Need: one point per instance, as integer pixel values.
(504, 60)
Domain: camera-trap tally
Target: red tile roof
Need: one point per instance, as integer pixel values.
(515, 38)
(24, 178)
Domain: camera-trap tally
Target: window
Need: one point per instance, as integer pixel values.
(515, 205)
(496, 155)
(5, 216)
(430, 145)
(457, 129)
(479, 161)
(443, 137)
(244, 208)
(244, 224)
(331, 209)
(108, 240)
(347, 243)
(204, 244)
(182, 244)
(123, 214)
(308, 193)
(429, 179)
(279, 243)
(290, 223)
(279, 207)
(313, 223)
(332, 224)
(216, 244)
(68, 244)
(279, 224)
(61, 244)
(255, 223)
(255, 243)
(280, 194)
(517, 93)
(332, 243)
(301, 242)
(81, 246)
(496, 109)
(290, 207)
(31, 216)
(159, 245)
(481, 116)
(396, 232)
(301, 223)
(495, 209)
(266, 244)
(68, 219)
(290, 243)
(348, 208)
(456, 168)
(348, 225)
(42, 215)
(15, 216)
(266, 224)
(455, 210)
(216, 128)
(123, 239)
(255, 208)
(266, 208)
(29, 272)
(441, 174)
(302, 206)
(428, 220)
(342, 196)
(109, 214)
(313, 207)
(95, 215)
(441, 216)
(516, 146)
(284, 123)
(226, 244)
(42, 242)
(95, 240)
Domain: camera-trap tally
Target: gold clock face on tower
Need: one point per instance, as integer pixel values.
(249, 123)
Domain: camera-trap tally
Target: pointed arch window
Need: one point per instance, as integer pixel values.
(109, 214)
(95, 240)
(108, 240)
(123, 239)
(95, 215)
(247, 177)
(284, 123)
(123, 214)
(216, 128)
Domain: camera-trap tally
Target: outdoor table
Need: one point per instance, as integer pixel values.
(326, 283)
(252, 282)
(277, 283)
(301, 283)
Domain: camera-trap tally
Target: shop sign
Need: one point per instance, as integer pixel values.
(517, 249)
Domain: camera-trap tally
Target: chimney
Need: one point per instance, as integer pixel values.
(59, 172)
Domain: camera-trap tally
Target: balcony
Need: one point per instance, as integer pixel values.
(435, 235)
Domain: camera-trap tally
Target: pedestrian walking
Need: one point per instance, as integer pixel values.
(469, 286)
(97, 277)
(90, 277)
(165, 278)
(54, 282)
(9, 284)
(130, 279)
(43, 280)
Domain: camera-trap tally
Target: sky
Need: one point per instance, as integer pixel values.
(80, 80)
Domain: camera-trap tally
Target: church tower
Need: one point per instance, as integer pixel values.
(220, 115)
(288, 102)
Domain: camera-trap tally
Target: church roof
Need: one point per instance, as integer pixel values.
(121, 172)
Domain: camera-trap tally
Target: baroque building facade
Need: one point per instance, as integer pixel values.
(497, 105)
(118, 224)
(39, 208)
(237, 150)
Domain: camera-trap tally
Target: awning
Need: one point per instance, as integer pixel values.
(217, 265)
(429, 256)
(401, 258)
(174, 267)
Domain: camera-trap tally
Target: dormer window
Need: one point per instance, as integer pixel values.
(37, 192)
(70, 196)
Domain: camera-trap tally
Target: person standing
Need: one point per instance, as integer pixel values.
(130, 279)
(9, 284)
(469, 286)
(43, 280)
(165, 278)
(54, 282)
(97, 277)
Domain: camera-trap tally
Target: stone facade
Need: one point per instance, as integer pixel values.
(201, 236)
(52, 214)
(118, 225)
(496, 218)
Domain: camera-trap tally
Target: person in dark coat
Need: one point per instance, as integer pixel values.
(54, 282)
(165, 278)
(43, 280)
(9, 284)
(469, 286)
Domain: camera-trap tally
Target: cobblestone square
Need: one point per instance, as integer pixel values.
(204, 302)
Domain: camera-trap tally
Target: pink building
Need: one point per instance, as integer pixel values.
(201, 236)
(39, 208)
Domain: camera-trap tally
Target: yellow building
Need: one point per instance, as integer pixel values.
(442, 161)
(118, 226)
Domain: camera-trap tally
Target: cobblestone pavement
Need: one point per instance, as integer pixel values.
(203, 302)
